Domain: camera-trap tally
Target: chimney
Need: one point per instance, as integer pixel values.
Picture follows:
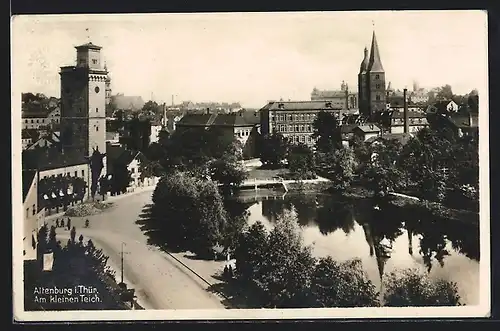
(405, 104)
(208, 111)
(470, 118)
(346, 99)
(164, 114)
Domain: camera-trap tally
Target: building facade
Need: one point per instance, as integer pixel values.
(39, 120)
(416, 121)
(343, 98)
(371, 82)
(83, 102)
(294, 119)
(33, 218)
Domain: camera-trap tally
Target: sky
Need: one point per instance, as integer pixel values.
(252, 58)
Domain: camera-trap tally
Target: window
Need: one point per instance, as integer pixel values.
(97, 128)
(307, 117)
(83, 173)
(377, 97)
(94, 61)
(76, 173)
(31, 121)
(290, 128)
(377, 76)
(27, 212)
(97, 109)
(290, 117)
(301, 128)
(25, 121)
(377, 86)
(296, 128)
(34, 209)
(301, 139)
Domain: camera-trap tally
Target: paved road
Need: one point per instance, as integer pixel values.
(160, 281)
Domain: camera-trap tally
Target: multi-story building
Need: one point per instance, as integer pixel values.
(294, 119)
(43, 119)
(244, 125)
(371, 82)
(156, 127)
(83, 103)
(343, 98)
(33, 217)
(416, 120)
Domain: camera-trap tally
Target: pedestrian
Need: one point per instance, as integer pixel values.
(69, 223)
(62, 223)
(73, 234)
(57, 222)
(87, 223)
(226, 272)
(230, 272)
(80, 239)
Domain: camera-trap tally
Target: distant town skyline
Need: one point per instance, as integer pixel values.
(251, 58)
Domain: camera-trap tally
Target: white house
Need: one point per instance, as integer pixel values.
(443, 107)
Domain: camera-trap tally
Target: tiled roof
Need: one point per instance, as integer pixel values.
(28, 176)
(39, 113)
(89, 45)
(51, 158)
(235, 119)
(328, 94)
(298, 105)
(411, 114)
(195, 120)
(368, 128)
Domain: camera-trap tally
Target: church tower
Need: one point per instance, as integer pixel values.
(376, 80)
(83, 103)
(363, 94)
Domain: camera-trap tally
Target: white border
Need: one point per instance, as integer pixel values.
(480, 310)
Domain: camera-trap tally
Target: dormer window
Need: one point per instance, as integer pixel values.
(281, 106)
(329, 105)
(94, 61)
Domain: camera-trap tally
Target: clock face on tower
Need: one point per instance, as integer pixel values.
(97, 89)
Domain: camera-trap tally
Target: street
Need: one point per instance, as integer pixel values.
(159, 280)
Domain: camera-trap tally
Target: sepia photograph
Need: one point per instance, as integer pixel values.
(280, 165)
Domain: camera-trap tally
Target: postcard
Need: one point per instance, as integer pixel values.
(212, 166)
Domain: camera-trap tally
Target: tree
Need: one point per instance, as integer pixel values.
(188, 213)
(412, 287)
(284, 276)
(326, 130)
(250, 248)
(339, 165)
(444, 93)
(427, 159)
(120, 179)
(343, 284)
(96, 166)
(273, 150)
(301, 161)
(382, 173)
(228, 171)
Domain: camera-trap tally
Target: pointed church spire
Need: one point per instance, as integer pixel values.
(364, 64)
(375, 64)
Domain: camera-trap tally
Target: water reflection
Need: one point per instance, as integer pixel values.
(391, 236)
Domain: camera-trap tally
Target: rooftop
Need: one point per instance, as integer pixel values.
(231, 120)
(88, 45)
(368, 128)
(299, 105)
(44, 158)
(28, 176)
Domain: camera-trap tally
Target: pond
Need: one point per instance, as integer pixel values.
(354, 229)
